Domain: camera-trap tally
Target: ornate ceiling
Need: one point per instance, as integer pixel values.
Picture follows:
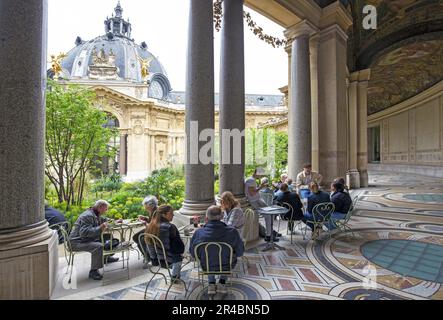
(411, 67)
(405, 52)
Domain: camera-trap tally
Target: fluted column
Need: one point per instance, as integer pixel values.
(232, 99)
(300, 115)
(28, 251)
(199, 175)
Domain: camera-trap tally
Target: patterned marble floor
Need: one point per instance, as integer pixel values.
(394, 252)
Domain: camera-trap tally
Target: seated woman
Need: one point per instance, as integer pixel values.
(232, 213)
(286, 196)
(342, 202)
(317, 196)
(168, 233)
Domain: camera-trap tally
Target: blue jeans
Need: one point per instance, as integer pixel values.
(176, 268)
(334, 217)
(304, 193)
(211, 278)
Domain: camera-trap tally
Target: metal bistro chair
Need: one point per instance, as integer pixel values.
(160, 252)
(110, 249)
(343, 224)
(321, 215)
(69, 252)
(291, 221)
(205, 270)
(268, 198)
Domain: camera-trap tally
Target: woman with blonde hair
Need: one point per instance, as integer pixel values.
(168, 233)
(233, 214)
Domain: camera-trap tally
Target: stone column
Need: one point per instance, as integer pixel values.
(28, 248)
(314, 101)
(123, 153)
(199, 173)
(352, 176)
(332, 103)
(299, 110)
(232, 100)
(362, 125)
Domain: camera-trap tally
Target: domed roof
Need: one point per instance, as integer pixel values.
(114, 56)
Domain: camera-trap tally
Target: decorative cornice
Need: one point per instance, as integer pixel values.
(336, 14)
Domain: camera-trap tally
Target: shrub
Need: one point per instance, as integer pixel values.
(108, 183)
(167, 184)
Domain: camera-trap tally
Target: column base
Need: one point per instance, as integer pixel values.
(353, 179)
(364, 179)
(190, 209)
(29, 273)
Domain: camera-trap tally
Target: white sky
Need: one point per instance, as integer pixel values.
(162, 24)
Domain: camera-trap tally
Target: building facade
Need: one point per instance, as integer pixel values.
(132, 85)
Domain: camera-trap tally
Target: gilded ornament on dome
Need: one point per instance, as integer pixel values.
(145, 64)
(56, 66)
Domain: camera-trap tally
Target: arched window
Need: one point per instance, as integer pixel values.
(109, 165)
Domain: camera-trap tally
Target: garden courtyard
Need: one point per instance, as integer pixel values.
(375, 262)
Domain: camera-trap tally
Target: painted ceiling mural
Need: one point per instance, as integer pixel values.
(405, 52)
(408, 69)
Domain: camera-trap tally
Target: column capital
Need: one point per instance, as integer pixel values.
(302, 28)
(361, 75)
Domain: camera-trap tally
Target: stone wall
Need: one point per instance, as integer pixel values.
(412, 132)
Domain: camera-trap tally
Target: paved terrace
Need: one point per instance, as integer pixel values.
(398, 238)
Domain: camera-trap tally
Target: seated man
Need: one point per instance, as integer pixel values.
(278, 184)
(294, 200)
(253, 196)
(217, 231)
(86, 236)
(304, 178)
(150, 204)
(342, 202)
(317, 196)
(53, 216)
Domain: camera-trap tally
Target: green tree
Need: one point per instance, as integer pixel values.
(76, 137)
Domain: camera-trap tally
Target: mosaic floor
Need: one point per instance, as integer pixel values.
(395, 252)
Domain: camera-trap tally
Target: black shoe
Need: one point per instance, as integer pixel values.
(268, 239)
(111, 260)
(175, 278)
(276, 234)
(94, 274)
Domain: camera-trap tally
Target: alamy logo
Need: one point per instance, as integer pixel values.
(370, 17)
(204, 146)
(370, 274)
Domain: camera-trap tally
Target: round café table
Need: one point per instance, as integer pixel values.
(272, 211)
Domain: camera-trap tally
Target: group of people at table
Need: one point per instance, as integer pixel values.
(224, 223)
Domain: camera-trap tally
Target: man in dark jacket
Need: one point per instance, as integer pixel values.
(342, 202)
(53, 216)
(317, 197)
(217, 231)
(286, 196)
(86, 236)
